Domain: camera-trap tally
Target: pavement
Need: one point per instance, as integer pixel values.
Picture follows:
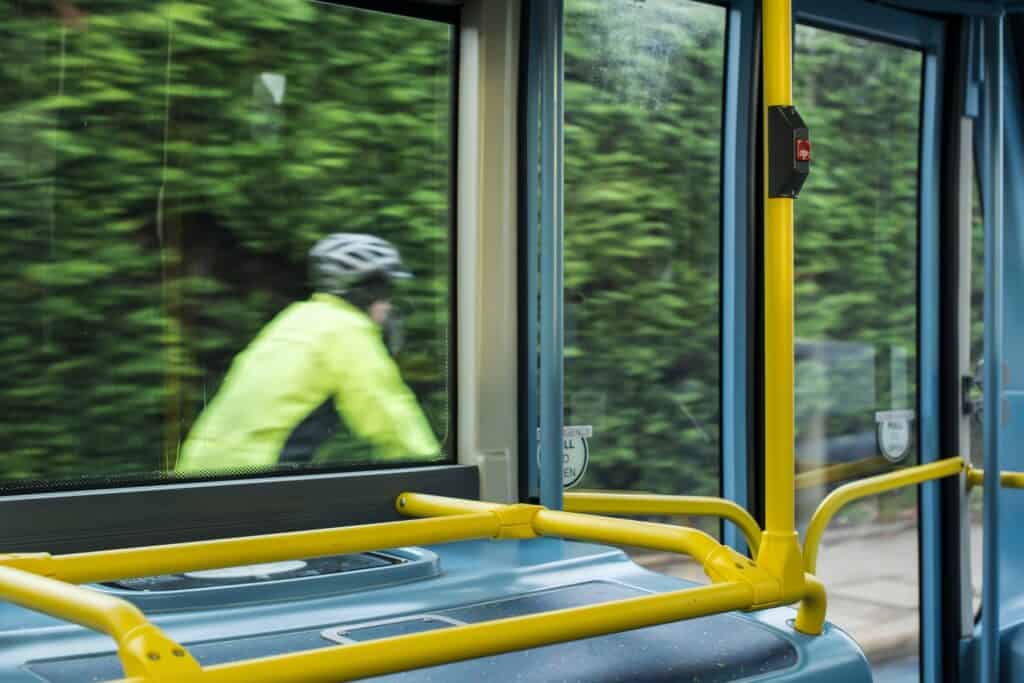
(871, 572)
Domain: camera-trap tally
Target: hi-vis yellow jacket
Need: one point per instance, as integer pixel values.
(315, 351)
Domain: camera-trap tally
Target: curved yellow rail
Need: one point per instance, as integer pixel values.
(45, 583)
(538, 521)
(144, 650)
(869, 487)
(652, 504)
(810, 617)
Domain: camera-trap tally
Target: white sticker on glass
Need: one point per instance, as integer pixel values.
(894, 434)
(575, 453)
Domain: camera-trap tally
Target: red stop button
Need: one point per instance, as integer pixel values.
(803, 149)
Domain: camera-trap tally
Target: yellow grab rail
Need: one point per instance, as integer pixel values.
(110, 565)
(44, 583)
(869, 487)
(400, 653)
(652, 504)
(810, 617)
(144, 649)
(1010, 480)
(525, 521)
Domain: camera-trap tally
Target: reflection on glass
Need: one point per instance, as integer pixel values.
(164, 172)
(643, 113)
(856, 316)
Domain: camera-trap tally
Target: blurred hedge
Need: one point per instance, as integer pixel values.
(158, 205)
(644, 91)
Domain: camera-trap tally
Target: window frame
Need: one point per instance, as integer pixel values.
(958, 176)
(101, 514)
(741, 290)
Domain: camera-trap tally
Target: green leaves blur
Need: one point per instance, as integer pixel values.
(644, 87)
(158, 204)
(856, 246)
(643, 127)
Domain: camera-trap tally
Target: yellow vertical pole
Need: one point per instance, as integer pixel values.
(778, 301)
(780, 546)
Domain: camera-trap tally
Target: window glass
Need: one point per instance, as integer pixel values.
(643, 116)
(976, 495)
(165, 171)
(856, 251)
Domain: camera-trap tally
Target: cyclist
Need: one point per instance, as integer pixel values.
(316, 363)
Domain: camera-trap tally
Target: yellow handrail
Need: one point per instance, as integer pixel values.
(811, 614)
(869, 487)
(719, 561)
(110, 565)
(810, 617)
(148, 655)
(92, 609)
(389, 655)
(144, 650)
(1010, 480)
(652, 504)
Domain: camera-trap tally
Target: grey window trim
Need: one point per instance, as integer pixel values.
(81, 521)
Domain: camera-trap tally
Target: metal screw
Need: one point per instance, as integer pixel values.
(153, 656)
(178, 652)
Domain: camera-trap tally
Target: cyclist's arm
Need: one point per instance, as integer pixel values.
(376, 404)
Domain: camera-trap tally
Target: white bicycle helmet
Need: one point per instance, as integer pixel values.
(342, 260)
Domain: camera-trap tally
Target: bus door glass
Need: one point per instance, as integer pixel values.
(643, 129)
(977, 431)
(856, 345)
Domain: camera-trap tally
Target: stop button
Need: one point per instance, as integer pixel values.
(803, 149)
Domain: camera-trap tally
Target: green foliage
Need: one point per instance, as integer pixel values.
(158, 206)
(643, 128)
(643, 144)
(856, 235)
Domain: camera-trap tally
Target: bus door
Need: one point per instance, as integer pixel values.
(865, 82)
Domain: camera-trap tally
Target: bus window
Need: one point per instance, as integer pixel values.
(643, 129)
(168, 174)
(856, 282)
